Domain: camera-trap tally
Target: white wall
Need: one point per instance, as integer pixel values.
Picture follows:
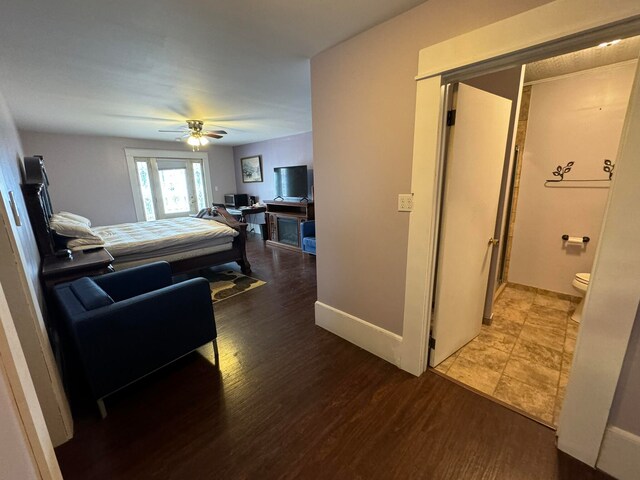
(15, 455)
(577, 118)
(89, 175)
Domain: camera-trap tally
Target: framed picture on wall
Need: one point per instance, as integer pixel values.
(251, 169)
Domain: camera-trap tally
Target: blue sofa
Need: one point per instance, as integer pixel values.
(308, 236)
(125, 325)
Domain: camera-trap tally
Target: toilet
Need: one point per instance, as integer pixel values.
(580, 283)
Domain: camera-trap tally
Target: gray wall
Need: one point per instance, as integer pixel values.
(363, 103)
(19, 270)
(89, 175)
(278, 152)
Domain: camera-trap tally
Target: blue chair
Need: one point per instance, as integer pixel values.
(308, 236)
(125, 325)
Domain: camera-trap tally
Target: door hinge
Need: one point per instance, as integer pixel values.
(451, 118)
(432, 342)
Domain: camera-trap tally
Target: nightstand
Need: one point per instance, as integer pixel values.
(83, 264)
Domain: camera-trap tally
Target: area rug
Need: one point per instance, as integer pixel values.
(227, 284)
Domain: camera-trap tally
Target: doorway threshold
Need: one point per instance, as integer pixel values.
(523, 359)
(513, 408)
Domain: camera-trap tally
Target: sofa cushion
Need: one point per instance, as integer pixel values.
(309, 244)
(89, 294)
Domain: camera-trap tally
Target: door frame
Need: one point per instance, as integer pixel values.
(25, 408)
(131, 153)
(552, 29)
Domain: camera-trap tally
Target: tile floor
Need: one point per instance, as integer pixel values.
(523, 358)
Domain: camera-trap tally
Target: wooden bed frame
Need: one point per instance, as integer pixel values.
(36, 196)
(237, 253)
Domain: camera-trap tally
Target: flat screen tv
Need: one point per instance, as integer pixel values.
(291, 181)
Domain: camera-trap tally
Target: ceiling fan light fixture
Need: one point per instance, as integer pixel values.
(195, 136)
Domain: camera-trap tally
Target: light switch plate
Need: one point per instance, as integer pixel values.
(14, 209)
(405, 202)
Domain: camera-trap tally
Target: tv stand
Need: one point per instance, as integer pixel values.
(283, 223)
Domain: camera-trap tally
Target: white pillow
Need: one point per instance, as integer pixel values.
(78, 244)
(68, 228)
(75, 218)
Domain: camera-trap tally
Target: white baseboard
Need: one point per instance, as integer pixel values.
(620, 454)
(365, 335)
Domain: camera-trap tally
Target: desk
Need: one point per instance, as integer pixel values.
(243, 212)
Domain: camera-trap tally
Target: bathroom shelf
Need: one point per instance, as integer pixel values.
(587, 183)
(560, 182)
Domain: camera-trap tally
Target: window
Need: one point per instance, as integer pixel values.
(145, 189)
(168, 184)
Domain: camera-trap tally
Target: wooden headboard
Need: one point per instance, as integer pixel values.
(36, 197)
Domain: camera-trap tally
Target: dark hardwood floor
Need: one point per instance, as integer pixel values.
(291, 400)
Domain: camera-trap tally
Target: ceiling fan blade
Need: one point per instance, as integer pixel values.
(219, 132)
(142, 117)
(212, 135)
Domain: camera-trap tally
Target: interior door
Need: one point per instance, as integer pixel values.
(176, 195)
(473, 171)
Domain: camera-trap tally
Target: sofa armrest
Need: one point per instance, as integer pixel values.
(122, 342)
(135, 281)
(308, 228)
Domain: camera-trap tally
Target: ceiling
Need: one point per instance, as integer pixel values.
(627, 49)
(128, 68)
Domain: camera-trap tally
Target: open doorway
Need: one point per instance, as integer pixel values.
(554, 184)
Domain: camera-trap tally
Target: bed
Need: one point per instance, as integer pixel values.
(187, 243)
(174, 240)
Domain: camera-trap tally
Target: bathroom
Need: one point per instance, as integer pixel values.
(566, 136)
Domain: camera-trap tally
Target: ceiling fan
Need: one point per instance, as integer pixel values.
(194, 135)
